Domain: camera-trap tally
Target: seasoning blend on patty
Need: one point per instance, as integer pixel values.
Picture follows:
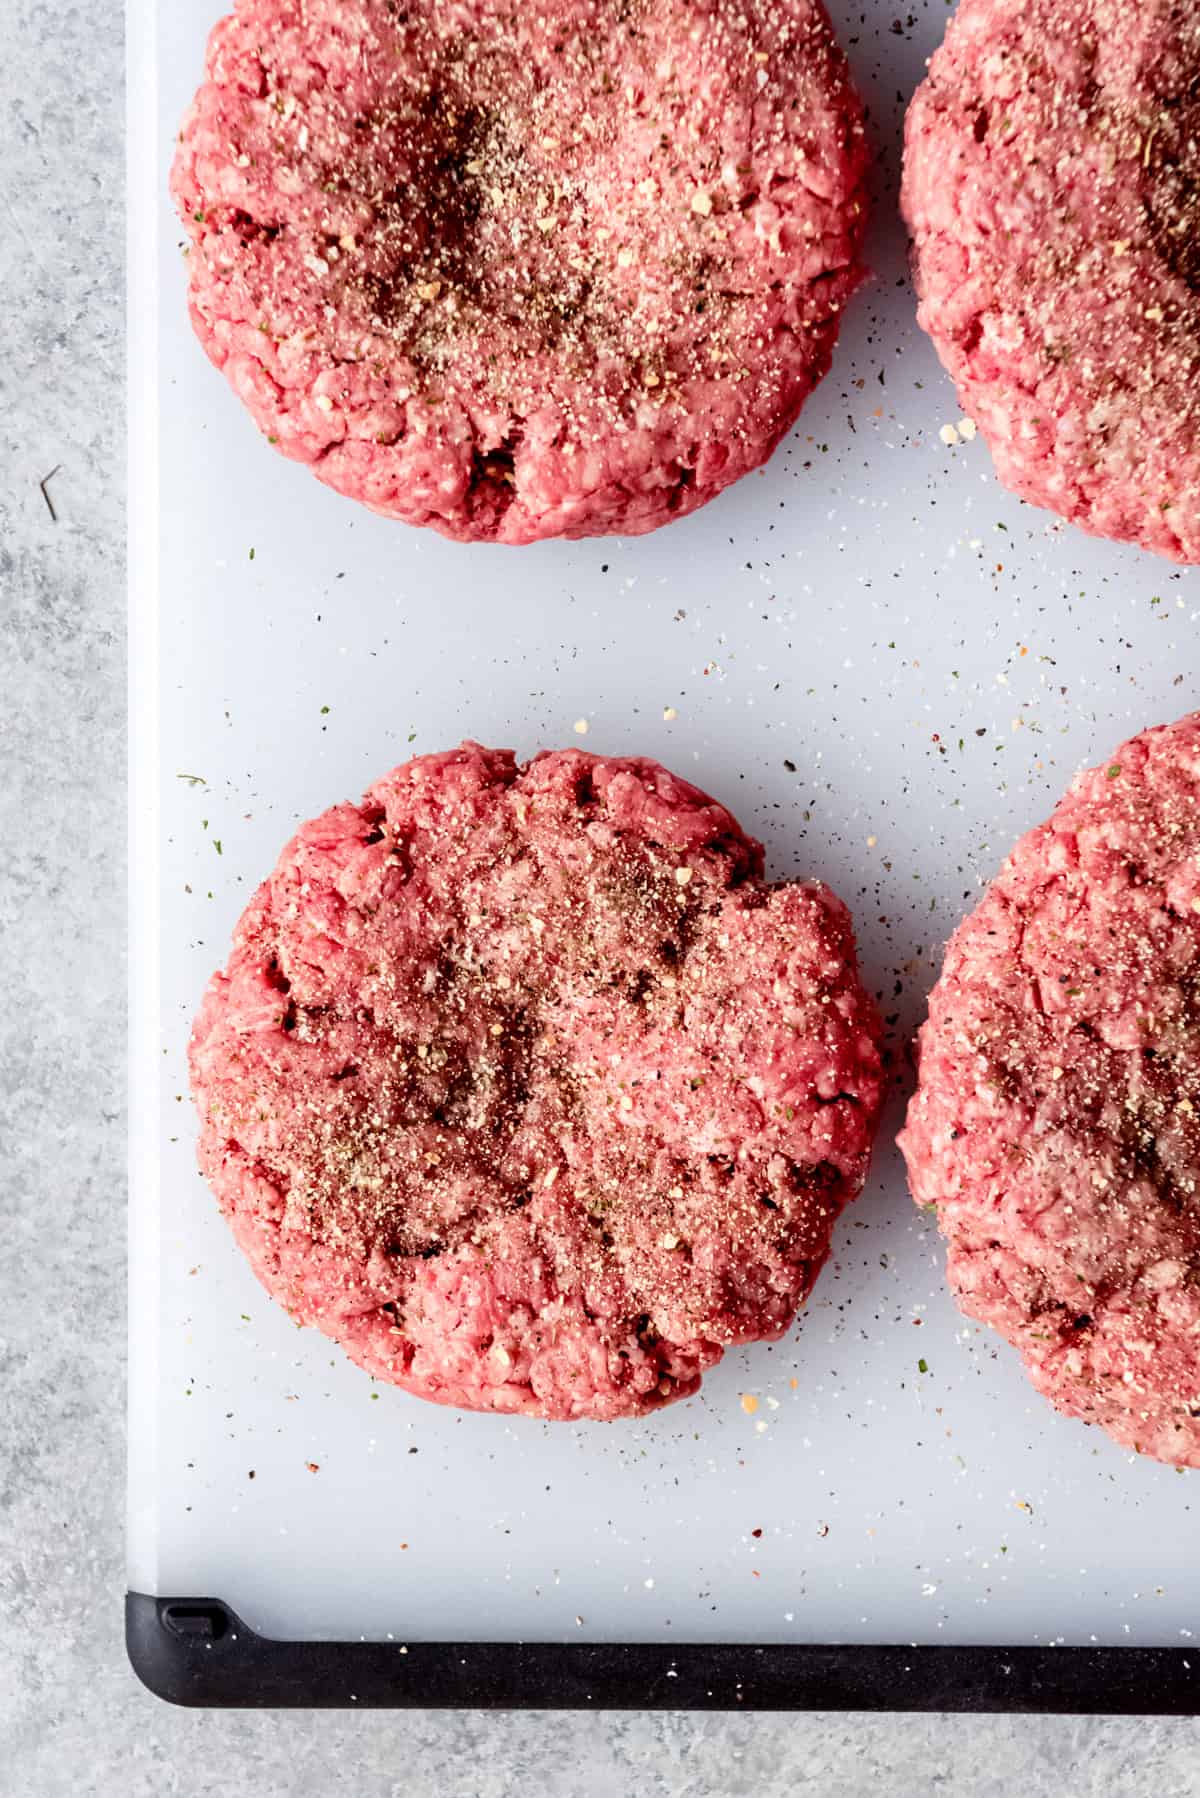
(1056, 1124)
(1052, 188)
(523, 272)
(523, 1086)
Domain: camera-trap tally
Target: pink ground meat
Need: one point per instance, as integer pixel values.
(1052, 188)
(530, 272)
(1056, 1124)
(522, 1085)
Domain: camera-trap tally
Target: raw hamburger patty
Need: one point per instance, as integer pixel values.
(523, 272)
(1052, 188)
(1056, 1125)
(524, 1087)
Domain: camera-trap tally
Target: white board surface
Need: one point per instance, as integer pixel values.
(888, 668)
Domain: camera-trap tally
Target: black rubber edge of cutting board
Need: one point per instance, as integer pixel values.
(198, 1652)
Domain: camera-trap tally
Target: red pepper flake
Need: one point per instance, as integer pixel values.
(313, 1466)
(756, 1533)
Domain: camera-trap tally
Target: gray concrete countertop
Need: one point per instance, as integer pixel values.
(72, 1717)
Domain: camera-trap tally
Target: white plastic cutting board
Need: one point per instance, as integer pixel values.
(888, 668)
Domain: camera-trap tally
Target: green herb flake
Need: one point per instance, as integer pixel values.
(922, 1365)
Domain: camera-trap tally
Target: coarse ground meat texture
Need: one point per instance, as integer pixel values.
(524, 1087)
(1052, 188)
(1056, 1124)
(520, 272)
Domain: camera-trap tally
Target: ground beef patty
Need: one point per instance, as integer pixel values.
(523, 1086)
(1052, 187)
(522, 272)
(1056, 1125)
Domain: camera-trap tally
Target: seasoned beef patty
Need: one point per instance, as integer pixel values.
(1052, 187)
(1056, 1125)
(523, 1085)
(520, 272)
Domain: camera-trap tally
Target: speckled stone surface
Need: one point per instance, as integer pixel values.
(72, 1717)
